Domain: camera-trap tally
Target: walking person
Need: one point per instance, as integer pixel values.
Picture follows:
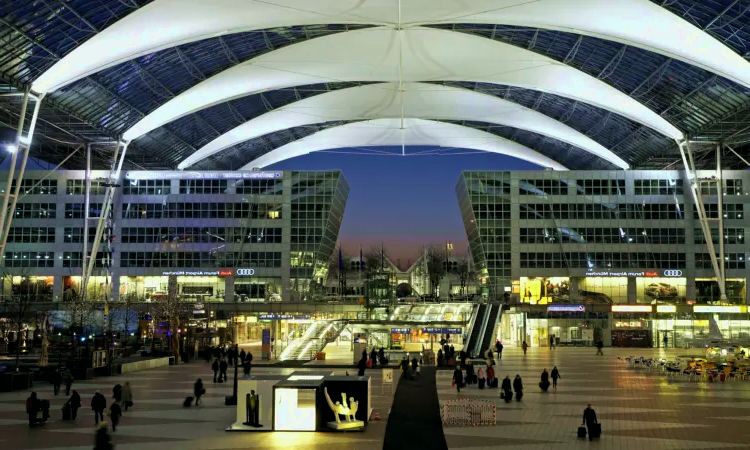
(525, 347)
(362, 365)
(458, 379)
(198, 391)
(117, 393)
(499, 350)
(127, 396)
(32, 408)
(505, 392)
(555, 375)
(666, 341)
(114, 414)
(242, 356)
(56, 381)
(74, 402)
(102, 440)
(589, 418)
(98, 404)
(599, 346)
(223, 370)
(544, 384)
(552, 342)
(518, 387)
(68, 379)
(215, 368)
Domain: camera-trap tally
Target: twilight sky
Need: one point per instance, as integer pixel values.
(403, 202)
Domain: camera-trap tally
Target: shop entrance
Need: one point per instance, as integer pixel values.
(669, 335)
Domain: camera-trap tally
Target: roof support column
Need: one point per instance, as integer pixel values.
(720, 201)
(86, 206)
(6, 219)
(689, 164)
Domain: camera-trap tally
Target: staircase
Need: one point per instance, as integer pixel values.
(316, 337)
(488, 337)
(476, 329)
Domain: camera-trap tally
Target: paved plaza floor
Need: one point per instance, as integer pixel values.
(158, 419)
(638, 409)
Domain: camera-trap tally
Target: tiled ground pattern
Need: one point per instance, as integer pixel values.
(158, 418)
(639, 409)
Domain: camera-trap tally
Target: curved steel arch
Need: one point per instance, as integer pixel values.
(392, 132)
(167, 23)
(389, 100)
(415, 54)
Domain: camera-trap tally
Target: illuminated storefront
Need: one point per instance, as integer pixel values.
(565, 325)
(544, 290)
(661, 290)
(707, 291)
(36, 288)
(603, 290)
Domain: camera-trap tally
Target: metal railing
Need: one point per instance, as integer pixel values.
(469, 413)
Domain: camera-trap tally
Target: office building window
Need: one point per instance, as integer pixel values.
(542, 187)
(36, 211)
(32, 235)
(731, 261)
(734, 187)
(731, 211)
(259, 187)
(203, 186)
(306, 235)
(658, 187)
(78, 187)
(29, 259)
(731, 236)
(147, 187)
(200, 259)
(602, 235)
(258, 235)
(36, 187)
(600, 187)
(75, 210)
(602, 260)
(492, 211)
(73, 235)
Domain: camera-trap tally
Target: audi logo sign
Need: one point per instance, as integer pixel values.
(672, 273)
(245, 272)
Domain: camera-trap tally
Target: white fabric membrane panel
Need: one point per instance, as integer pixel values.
(388, 132)
(414, 54)
(167, 23)
(427, 101)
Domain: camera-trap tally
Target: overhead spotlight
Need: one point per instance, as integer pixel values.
(11, 148)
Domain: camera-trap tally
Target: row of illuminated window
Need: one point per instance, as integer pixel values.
(201, 211)
(731, 211)
(648, 211)
(731, 236)
(602, 260)
(602, 235)
(600, 187)
(47, 259)
(49, 210)
(237, 235)
(200, 259)
(731, 261)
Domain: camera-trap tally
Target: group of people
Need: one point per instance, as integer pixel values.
(59, 378)
(544, 384)
(223, 358)
(375, 356)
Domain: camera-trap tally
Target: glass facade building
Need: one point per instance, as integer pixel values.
(244, 236)
(604, 238)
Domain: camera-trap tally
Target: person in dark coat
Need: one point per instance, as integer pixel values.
(599, 346)
(470, 375)
(440, 358)
(56, 381)
(32, 408)
(453, 353)
(248, 363)
(102, 441)
(223, 370)
(362, 365)
(499, 350)
(98, 404)
(462, 356)
(544, 384)
(117, 393)
(374, 357)
(198, 391)
(364, 354)
(518, 387)
(75, 402)
(555, 375)
(589, 418)
(114, 414)
(381, 356)
(458, 378)
(242, 356)
(215, 368)
(68, 378)
(506, 391)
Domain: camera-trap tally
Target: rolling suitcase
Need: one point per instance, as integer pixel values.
(581, 432)
(188, 402)
(481, 383)
(494, 383)
(596, 430)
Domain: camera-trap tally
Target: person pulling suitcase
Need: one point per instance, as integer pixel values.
(589, 419)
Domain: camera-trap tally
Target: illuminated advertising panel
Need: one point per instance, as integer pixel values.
(666, 308)
(718, 309)
(632, 308)
(566, 308)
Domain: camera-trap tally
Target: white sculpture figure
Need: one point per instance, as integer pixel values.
(341, 408)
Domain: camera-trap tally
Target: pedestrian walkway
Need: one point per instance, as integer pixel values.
(414, 421)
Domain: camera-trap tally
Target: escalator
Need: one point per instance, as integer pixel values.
(476, 330)
(488, 337)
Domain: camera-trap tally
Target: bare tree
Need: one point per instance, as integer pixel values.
(17, 308)
(128, 309)
(436, 258)
(171, 310)
(465, 276)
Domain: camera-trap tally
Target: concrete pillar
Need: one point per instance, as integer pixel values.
(574, 295)
(115, 284)
(57, 288)
(228, 289)
(632, 291)
(690, 288)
